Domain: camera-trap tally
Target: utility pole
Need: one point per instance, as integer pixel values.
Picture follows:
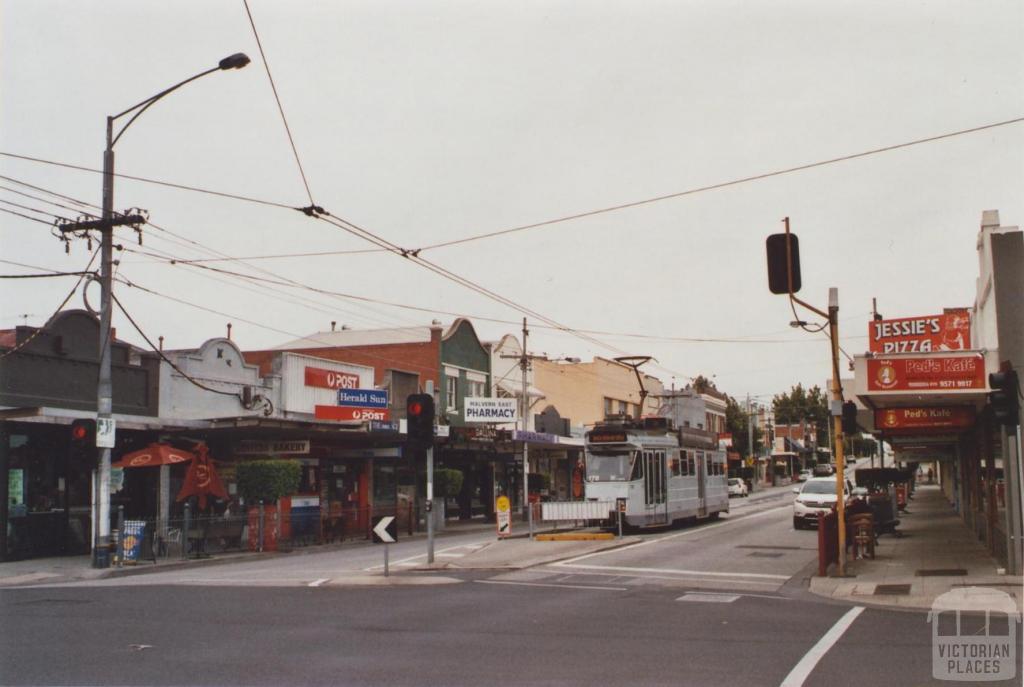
(105, 430)
(524, 366)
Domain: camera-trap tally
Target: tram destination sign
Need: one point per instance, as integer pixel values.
(606, 437)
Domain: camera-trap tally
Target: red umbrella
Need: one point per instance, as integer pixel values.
(153, 455)
(201, 479)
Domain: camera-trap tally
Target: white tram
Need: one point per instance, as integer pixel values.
(664, 474)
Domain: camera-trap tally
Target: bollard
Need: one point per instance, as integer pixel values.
(259, 546)
(185, 530)
(119, 547)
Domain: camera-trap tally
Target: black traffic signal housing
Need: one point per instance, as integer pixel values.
(849, 418)
(779, 266)
(83, 434)
(1004, 397)
(419, 416)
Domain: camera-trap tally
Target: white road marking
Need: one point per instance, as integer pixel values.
(616, 576)
(419, 558)
(674, 571)
(560, 586)
(803, 669)
(709, 598)
(317, 583)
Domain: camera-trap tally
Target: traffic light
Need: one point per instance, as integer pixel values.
(83, 433)
(779, 266)
(1004, 397)
(419, 414)
(849, 418)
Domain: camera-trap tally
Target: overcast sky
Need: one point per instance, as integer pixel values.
(428, 122)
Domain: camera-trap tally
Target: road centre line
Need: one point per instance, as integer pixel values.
(803, 669)
(317, 583)
(560, 586)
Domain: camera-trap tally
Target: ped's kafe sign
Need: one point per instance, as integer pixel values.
(496, 410)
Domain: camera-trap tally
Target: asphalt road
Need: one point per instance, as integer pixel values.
(684, 613)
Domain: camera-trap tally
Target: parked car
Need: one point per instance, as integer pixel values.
(805, 475)
(816, 495)
(824, 470)
(737, 487)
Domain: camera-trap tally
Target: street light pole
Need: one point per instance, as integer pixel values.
(104, 385)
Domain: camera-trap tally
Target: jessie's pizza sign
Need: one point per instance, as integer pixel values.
(950, 331)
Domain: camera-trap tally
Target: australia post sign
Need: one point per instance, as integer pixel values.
(950, 331)
(932, 373)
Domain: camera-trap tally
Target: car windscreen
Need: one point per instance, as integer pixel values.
(826, 487)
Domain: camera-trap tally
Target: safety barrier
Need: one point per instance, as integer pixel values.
(576, 510)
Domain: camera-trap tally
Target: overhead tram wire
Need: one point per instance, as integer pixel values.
(277, 98)
(280, 281)
(60, 307)
(557, 220)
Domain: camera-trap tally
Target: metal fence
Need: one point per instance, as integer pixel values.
(260, 528)
(561, 511)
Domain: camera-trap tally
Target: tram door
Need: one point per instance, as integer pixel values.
(702, 474)
(655, 482)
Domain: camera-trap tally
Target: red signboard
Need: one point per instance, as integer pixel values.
(934, 373)
(915, 419)
(950, 331)
(350, 414)
(331, 379)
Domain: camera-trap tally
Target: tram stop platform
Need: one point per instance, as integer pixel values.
(936, 554)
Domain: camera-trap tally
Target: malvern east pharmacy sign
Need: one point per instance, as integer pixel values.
(490, 410)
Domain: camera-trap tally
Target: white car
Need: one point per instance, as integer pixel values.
(737, 487)
(805, 475)
(816, 495)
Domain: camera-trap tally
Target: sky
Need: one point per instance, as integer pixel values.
(432, 122)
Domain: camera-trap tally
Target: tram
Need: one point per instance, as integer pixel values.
(664, 474)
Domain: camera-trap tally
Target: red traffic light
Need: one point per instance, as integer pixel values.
(415, 408)
(83, 432)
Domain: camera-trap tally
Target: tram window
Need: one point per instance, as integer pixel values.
(676, 468)
(638, 466)
(610, 467)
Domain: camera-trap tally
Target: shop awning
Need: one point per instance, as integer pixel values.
(154, 455)
(516, 390)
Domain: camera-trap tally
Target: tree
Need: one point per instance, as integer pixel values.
(701, 384)
(736, 421)
(268, 480)
(799, 405)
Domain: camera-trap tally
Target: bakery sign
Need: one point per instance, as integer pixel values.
(934, 373)
(950, 331)
(915, 419)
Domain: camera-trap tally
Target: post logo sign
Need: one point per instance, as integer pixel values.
(490, 410)
(330, 379)
(950, 331)
(935, 373)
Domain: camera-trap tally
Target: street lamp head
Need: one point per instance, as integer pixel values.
(236, 61)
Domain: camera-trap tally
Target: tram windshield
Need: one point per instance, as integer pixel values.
(612, 466)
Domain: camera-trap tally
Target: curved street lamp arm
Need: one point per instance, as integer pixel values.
(149, 101)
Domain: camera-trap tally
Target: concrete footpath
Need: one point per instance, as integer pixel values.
(936, 554)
